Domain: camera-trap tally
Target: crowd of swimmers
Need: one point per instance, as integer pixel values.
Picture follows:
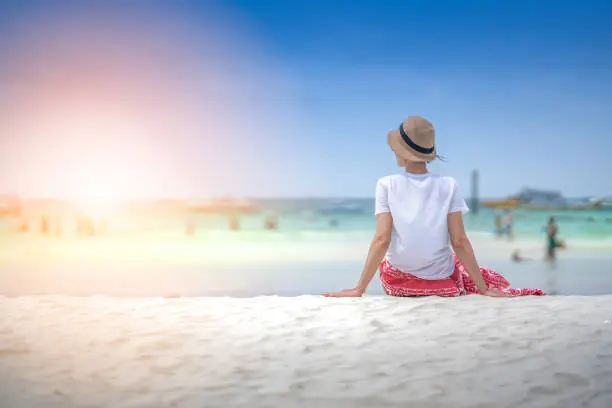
(48, 225)
(53, 225)
(552, 240)
(270, 223)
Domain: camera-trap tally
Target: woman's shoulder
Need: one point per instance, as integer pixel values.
(442, 176)
(386, 180)
(444, 179)
(391, 180)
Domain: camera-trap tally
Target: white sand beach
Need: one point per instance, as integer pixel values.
(306, 352)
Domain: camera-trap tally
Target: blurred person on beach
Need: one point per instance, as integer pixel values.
(498, 225)
(419, 218)
(24, 225)
(44, 225)
(517, 257)
(552, 242)
(509, 225)
(271, 222)
(189, 227)
(234, 223)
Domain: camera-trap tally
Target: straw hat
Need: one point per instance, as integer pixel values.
(414, 140)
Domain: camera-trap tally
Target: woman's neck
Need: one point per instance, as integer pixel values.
(416, 167)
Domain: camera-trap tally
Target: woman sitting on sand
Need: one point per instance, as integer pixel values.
(418, 219)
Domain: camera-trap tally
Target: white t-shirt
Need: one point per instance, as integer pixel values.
(419, 205)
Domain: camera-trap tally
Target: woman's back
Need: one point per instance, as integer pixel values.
(419, 205)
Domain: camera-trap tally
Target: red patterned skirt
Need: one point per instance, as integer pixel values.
(398, 283)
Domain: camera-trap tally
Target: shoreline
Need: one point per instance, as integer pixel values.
(171, 265)
(271, 247)
(572, 276)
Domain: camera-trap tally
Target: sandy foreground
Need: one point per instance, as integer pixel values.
(306, 351)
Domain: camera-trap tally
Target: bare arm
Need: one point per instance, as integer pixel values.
(463, 248)
(378, 248)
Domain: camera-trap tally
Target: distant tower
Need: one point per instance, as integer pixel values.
(475, 199)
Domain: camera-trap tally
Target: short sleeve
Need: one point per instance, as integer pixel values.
(457, 203)
(382, 197)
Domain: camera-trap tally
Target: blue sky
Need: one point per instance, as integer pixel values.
(521, 90)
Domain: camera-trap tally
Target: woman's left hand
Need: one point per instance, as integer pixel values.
(345, 293)
(497, 293)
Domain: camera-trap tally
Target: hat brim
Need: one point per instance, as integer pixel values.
(400, 148)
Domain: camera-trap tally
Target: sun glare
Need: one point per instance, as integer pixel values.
(98, 197)
(105, 158)
(138, 111)
(99, 194)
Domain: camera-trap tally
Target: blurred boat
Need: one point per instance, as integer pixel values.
(535, 199)
(500, 204)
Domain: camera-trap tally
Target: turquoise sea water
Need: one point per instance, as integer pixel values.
(302, 216)
(309, 253)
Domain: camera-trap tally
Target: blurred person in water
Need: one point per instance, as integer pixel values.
(271, 222)
(552, 242)
(420, 244)
(517, 257)
(499, 230)
(509, 225)
(234, 223)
